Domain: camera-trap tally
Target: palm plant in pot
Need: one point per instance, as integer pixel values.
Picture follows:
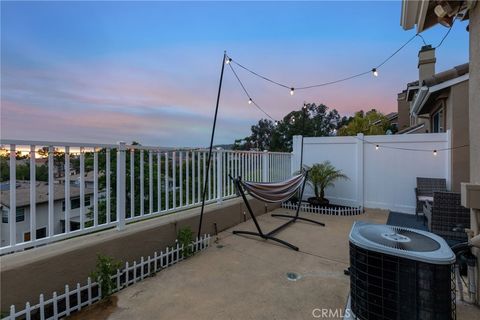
(321, 176)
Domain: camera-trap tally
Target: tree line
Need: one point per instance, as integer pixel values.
(312, 120)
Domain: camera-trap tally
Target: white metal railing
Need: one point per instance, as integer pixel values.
(74, 299)
(72, 189)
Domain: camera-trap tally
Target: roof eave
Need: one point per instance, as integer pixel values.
(414, 13)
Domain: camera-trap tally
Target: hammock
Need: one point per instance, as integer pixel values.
(273, 192)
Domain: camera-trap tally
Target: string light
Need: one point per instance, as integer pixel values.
(374, 71)
(250, 101)
(276, 123)
(229, 61)
(435, 151)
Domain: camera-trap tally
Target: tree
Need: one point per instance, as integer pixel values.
(370, 123)
(260, 139)
(321, 176)
(311, 120)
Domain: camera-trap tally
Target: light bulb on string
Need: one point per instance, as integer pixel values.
(377, 147)
(292, 91)
(276, 123)
(375, 72)
(250, 101)
(434, 152)
(228, 60)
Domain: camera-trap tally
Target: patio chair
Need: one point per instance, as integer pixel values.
(425, 189)
(273, 192)
(447, 217)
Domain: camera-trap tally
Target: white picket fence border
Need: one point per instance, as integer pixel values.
(339, 211)
(91, 292)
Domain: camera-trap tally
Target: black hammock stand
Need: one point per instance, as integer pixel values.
(269, 192)
(273, 192)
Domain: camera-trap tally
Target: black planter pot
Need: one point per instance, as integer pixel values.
(318, 202)
(293, 200)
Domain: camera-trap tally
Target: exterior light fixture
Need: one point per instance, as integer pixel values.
(434, 152)
(375, 72)
(445, 13)
(377, 147)
(445, 21)
(250, 101)
(292, 91)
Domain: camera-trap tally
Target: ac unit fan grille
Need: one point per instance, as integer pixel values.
(399, 238)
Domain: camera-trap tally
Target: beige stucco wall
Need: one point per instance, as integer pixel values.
(403, 109)
(474, 115)
(25, 275)
(458, 121)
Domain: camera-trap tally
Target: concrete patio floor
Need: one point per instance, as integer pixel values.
(243, 278)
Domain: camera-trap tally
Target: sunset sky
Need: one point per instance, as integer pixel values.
(122, 71)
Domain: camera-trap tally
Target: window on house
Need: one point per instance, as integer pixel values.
(75, 203)
(437, 121)
(20, 215)
(41, 233)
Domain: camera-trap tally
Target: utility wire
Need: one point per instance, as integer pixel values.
(444, 37)
(398, 50)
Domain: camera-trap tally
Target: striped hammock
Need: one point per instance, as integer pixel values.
(273, 192)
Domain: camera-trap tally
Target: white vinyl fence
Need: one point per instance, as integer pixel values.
(82, 188)
(74, 299)
(379, 177)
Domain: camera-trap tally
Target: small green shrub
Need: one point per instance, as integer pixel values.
(106, 267)
(185, 238)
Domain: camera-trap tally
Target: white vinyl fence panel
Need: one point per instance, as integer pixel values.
(383, 177)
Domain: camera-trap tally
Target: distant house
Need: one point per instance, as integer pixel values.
(392, 119)
(438, 102)
(23, 209)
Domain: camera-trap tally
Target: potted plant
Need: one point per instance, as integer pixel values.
(321, 176)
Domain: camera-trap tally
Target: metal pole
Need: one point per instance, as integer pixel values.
(211, 146)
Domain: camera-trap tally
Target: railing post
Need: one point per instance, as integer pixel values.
(265, 166)
(219, 175)
(12, 214)
(121, 189)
